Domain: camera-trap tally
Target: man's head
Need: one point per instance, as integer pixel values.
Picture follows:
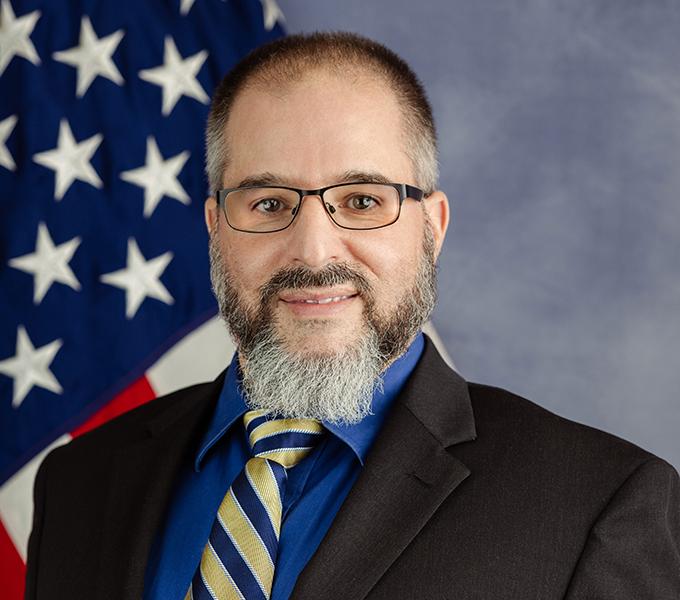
(290, 59)
(318, 311)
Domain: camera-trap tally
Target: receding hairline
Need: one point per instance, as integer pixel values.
(279, 84)
(292, 69)
(288, 60)
(280, 89)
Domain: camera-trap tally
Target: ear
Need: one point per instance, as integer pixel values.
(437, 207)
(211, 213)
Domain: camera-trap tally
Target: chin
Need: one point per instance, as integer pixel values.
(317, 338)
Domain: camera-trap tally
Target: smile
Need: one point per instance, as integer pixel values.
(321, 303)
(321, 300)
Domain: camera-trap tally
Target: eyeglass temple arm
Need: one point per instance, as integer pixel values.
(410, 191)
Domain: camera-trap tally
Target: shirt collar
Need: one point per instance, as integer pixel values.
(231, 405)
(359, 437)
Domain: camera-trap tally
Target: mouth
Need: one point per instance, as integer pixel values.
(322, 300)
(302, 302)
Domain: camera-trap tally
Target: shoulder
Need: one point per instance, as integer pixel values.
(510, 427)
(137, 424)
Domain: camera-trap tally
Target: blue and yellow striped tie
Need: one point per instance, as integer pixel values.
(238, 560)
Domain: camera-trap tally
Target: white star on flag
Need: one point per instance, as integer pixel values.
(6, 128)
(177, 76)
(71, 160)
(185, 7)
(140, 279)
(158, 177)
(271, 14)
(30, 367)
(15, 35)
(92, 57)
(49, 263)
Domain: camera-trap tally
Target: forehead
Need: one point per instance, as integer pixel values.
(310, 130)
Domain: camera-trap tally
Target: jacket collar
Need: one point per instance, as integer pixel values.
(142, 476)
(408, 474)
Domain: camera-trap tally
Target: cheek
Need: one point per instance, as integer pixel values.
(392, 268)
(247, 268)
(394, 251)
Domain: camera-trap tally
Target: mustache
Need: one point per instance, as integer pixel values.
(301, 277)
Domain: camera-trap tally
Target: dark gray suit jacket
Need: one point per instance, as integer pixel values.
(468, 492)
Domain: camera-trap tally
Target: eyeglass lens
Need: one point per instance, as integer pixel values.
(355, 206)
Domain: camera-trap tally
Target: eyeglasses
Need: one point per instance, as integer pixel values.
(359, 205)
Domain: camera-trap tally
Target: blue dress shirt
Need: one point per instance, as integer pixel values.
(316, 487)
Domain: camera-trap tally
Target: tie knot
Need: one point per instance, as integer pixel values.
(285, 441)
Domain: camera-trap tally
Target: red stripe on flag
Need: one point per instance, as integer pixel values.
(12, 571)
(138, 393)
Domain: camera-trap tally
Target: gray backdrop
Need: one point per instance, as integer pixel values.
(559, 125)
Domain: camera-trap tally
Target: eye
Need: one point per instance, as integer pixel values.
(362, 202)
(268, 205)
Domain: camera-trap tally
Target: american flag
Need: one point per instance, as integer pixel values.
(105, 300)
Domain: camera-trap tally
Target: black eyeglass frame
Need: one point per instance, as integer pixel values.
(403, 189)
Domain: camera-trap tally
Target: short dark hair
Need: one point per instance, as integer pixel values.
(291, 57)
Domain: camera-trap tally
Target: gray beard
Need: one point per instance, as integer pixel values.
(335, 387)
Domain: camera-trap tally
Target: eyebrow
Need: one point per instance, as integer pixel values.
(367, 176)
(266, 178)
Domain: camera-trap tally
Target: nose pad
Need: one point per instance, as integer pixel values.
(329, 207)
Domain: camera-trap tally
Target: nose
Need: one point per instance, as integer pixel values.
(315, 240)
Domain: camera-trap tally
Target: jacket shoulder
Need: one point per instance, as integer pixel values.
(138, 422)
(533, 432)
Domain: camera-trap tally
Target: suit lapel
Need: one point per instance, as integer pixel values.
(407, 476)
(143, 474)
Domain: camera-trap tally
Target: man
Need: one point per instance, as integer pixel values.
(401, 479)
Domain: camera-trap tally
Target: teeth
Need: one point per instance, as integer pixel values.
(325, 300)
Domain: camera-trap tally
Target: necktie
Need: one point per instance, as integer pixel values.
(238, 560)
